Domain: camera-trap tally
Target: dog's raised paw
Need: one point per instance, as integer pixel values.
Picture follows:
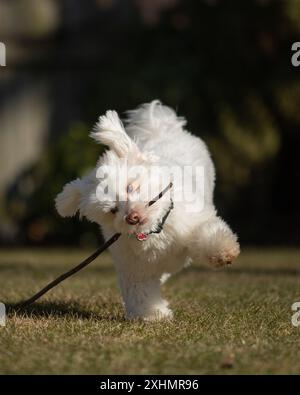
(225, 257)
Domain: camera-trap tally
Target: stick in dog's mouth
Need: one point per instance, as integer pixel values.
(142, 236)
(160, 195)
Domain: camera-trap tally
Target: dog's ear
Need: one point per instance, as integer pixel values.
(67, 202)
(110, 131)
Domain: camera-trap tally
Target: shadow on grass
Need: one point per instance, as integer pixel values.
(60, 310)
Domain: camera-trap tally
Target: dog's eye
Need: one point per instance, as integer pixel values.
(114, 210)
(129, 188)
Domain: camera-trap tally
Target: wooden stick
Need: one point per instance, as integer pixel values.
(69, 273)
(169, 186)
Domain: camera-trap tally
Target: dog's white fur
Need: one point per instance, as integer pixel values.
(154, 134)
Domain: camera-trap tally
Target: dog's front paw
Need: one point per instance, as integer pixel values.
(225, 257)
(225, 251)
(157, 312)
(159, 315)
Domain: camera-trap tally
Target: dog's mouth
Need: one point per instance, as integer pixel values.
(139, 232)
(135, 220)
(139, 235)
(158, 227)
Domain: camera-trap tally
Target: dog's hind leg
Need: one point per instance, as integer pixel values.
(214, 242)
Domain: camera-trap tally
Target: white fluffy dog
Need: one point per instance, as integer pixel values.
(159, 239)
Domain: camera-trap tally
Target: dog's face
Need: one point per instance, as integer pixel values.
(117, 192)
(124, 188)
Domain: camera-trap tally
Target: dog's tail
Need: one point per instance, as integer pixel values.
(152, 119)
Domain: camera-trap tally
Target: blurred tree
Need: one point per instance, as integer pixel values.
(225, 65)
(31, 200)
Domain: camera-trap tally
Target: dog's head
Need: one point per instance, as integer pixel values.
(117, 192)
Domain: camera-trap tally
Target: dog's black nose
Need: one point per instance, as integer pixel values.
(132, 218)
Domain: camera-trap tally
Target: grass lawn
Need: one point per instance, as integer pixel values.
(234, 320)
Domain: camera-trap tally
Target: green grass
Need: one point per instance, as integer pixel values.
(235, 320)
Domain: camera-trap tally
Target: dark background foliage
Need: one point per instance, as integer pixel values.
(225, 65)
